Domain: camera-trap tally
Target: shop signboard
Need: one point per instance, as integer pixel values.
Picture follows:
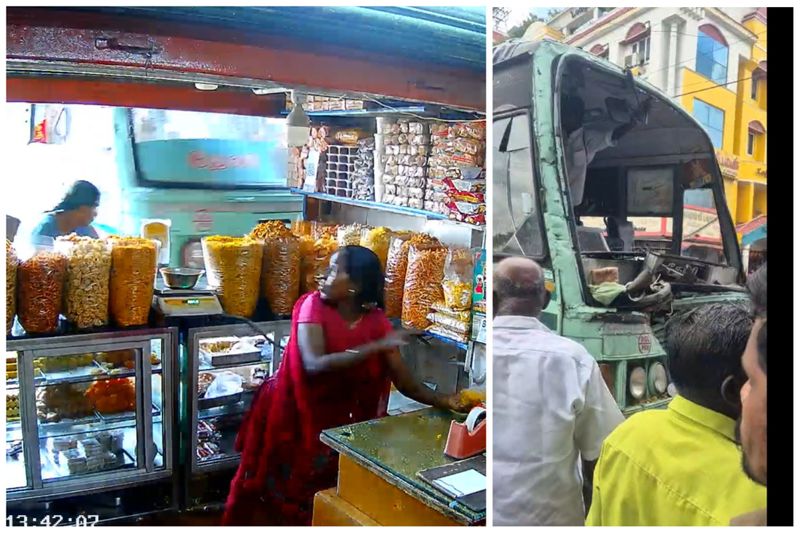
(210, 162)
(728, 164)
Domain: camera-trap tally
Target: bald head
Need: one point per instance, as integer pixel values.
(519, 287)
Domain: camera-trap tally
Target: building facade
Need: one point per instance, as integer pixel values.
(711, 61)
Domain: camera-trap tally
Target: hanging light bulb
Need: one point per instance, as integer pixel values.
(297, 123)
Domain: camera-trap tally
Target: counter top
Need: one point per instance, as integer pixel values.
(397, 448)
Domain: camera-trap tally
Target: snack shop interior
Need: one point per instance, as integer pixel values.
(133, 355)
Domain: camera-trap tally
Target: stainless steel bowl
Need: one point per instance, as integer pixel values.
(181, 278)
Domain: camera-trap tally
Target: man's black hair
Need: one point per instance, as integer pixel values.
(364, 269)
(705, 345)
(757, 286)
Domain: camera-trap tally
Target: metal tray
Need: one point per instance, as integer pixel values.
(209, 403)
(235, 358)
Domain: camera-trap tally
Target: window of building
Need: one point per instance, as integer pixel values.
(756, 140)
(643, 49)
(754, 88)
(712, 54)
(713, 120)
(637, 41)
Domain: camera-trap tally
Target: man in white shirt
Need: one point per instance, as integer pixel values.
(551, 407)
(583, 142)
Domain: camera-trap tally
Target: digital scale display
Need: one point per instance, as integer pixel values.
(188, 305)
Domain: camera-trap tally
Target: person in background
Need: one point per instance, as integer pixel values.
(551, 409)
(337, 369)
(74, 214)
(751, 428)
(672, 467)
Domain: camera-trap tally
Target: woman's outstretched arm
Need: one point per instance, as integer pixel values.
(409, 386)
(311, 341)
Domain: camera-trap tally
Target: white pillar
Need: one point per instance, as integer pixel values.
(672, 61)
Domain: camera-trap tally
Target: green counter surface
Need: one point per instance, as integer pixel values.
(396, 448)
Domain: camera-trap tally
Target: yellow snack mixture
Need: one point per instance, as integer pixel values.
(88, 279)
(377, 240)
(233, 267)
(133, 273)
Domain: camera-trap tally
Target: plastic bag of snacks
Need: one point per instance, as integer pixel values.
(463, 327)
(88, 277)
(315, 265)
(396, 264)
(423, 285)
(40, 282)
(322, 229)
(233, 265)
(350, 235)
(377, 240)
(11, 286)
(301, 227)
(440, 308)
(457, 284)
(133, 274)
(444, 331)
(280, 270)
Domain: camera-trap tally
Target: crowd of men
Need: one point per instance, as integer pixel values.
(565, 455)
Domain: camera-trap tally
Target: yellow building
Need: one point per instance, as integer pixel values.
(712, 61)
(742, 155)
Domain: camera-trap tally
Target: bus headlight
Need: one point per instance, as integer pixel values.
(637, 383)
(657, 378)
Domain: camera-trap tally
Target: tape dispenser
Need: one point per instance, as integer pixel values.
(468, 438)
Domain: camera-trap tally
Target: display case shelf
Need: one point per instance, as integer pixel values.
(384, 207)
(74, 360)
(91, 424)
(80, 375)
(238, 408)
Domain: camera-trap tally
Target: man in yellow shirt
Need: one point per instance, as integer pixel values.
(678, 466)
(752, 425)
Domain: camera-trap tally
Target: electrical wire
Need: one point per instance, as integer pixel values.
(713, 87)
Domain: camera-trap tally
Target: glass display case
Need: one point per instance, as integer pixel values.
(227, 365)
(89, 413)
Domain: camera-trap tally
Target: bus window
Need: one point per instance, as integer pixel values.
(517, 225)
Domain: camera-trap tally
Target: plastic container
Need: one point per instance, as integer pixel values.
(86, 291)
(158, 229)
(133, 275)
(280, 273)
(11, 285)
(233, 269)
(40, 285)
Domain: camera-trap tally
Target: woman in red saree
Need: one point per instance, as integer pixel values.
(337, 369)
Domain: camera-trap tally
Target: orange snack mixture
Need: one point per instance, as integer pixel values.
(423, 285)
(280, 271)
(41, 286)
(133, 273)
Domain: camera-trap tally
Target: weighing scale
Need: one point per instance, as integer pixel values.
(173, 303)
